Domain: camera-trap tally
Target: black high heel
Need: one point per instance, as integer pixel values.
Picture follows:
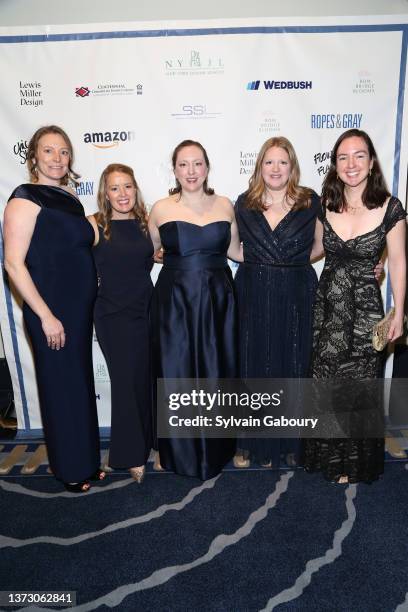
(98, 475)
(77, 487)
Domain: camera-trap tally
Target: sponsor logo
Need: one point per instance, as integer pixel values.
(322, 162)
(82, 92)
(107, 140)
(31, 93)
(269, 123)
(195, 111)
(109, 89)
(101, 372)
(256, 85)
(364, 83)
(20, 150)
(85, 188)
(247, 161)
(329, 121)
(194, 63)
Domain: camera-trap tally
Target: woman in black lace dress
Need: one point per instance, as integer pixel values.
(359, 219)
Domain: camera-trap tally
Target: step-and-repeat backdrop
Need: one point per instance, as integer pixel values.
(131, 92)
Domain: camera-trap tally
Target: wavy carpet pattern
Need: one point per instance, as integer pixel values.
(247, 540)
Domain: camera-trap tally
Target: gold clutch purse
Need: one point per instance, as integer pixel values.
(381, 329)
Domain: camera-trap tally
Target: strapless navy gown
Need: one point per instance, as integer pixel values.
(194, 329)
(61, 265)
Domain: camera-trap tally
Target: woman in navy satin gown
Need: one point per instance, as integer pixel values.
(276, 284)
(193, 310)
(123, 255)
(48, 256)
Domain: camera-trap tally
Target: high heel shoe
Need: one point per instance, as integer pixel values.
(98, 475)
(77, 487)
(240, 462)
(138, 473)
(157, 466)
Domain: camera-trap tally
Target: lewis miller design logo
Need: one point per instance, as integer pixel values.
(107, 140)
(31, 93)
(256, 85)
(82, 92)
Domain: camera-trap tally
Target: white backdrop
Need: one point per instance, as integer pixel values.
(130, 92)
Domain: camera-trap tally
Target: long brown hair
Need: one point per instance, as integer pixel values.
(300, 196)
(190, 143)
(71, 176)
(375, 192)
(104, 216)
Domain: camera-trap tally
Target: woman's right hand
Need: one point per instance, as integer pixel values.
(54, 332)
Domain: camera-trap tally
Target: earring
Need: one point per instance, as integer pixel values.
(369, 172)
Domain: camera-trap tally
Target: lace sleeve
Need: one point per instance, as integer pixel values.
(394, 214)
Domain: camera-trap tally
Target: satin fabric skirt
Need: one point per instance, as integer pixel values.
(195, 336)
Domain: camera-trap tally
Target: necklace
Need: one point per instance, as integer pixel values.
(274, 202)
(353, 209)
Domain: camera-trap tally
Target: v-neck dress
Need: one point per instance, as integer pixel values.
(276, 287)
(348, 305)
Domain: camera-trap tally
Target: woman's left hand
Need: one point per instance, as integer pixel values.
(396, 328)
(378, 270)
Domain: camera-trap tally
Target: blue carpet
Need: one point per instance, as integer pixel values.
(246, 541)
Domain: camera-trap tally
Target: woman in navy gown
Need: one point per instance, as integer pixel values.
(193, 312)
(123, 255)
(48, 257)
(276, 284)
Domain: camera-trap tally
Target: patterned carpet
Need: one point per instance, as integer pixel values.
(247, 540)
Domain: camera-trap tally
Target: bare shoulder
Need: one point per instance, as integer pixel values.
(161, 207)
(225, 205)
(21, 208)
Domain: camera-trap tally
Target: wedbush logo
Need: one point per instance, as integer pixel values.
(255, 85)
(107, 140)
(195, 111)
(330, 121)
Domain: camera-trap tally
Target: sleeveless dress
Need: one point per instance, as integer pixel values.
(194, 330)
(276, 288)
(121, 318)
(60, 262)
(348, 305)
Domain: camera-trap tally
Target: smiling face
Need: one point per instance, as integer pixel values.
(276, 168)
(51, 159)
(190, 168)
(121, 193)
(353, 162)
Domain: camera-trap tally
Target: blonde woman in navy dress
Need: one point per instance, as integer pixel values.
(48, 257)
(123, 255)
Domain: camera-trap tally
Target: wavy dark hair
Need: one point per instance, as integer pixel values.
(375, 192)
(300, 196)
(190, 143)
(71, 175)
(104, 216)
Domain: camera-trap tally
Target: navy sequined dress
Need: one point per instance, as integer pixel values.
(276, 287)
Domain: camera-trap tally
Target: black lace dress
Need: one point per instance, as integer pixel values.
(348, 304)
